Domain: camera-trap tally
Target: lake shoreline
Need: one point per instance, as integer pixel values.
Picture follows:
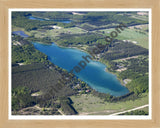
(121, 81)
(111, 87)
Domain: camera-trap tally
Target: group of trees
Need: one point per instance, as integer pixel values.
(27, 54)
(21, 97)
(139, 85)
(20, 19)
(82, 39)
(136, 112)
(137, 71)
(53, 15)
(123, 50)
(38, 77)
(66, 106)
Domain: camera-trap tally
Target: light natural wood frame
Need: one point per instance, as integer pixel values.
(4, 9)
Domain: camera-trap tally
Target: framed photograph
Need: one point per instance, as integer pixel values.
(78, 65)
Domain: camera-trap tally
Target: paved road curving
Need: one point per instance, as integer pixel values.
(130, 110)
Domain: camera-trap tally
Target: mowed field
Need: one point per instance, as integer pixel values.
(140, 36)
(87, 104)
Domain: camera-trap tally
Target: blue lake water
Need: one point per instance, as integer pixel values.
(93, 74)
(20, 33)
(62, 21)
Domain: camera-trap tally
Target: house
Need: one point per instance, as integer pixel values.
(56, 27)
(87, 90)
(142, 13)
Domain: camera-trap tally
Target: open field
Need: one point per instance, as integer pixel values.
(140, 17)
(89, 104)
(145, 109)
(72, 30)
(56, 32)
(91, 27)
(132, 35)
(143, 27)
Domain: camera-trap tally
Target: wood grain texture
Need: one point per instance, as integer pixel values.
(6, 4)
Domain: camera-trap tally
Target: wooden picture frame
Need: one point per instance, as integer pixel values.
(5, 122)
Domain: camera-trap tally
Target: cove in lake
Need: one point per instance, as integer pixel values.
(36, 18)
(94, 73)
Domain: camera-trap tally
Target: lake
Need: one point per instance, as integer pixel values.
(41, 19)
(93, 74)
(20, 33)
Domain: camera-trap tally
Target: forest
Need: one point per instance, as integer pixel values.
(79, 39)
(27, 54)
(123, 50)
(21, 98)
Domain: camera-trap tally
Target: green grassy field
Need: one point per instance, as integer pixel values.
(131, 34)
(89, 104)
(72, 30)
